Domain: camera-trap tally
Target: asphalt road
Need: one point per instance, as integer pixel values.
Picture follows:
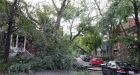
(62, 73)
(69, 73)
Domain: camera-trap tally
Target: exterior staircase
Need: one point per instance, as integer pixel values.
(15, 50)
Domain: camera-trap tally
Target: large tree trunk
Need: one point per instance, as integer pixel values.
(10, 29)
(137, 27)
(59, 13)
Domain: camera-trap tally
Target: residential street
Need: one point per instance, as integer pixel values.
(69, 73)
(69, 37)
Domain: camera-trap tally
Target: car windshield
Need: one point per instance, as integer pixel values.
(121, 63)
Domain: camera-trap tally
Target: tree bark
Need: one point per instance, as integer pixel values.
(98, 7)
(74, 37)
(10, 28)
(70, 28)
(135, 5)
(59, 14)
(55, 6)
(70, 32)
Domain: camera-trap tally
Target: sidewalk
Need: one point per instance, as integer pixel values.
(95, 68)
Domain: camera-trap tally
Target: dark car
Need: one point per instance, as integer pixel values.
(86, 58)
(118, 68)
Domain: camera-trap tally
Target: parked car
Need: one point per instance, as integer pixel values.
(96, 62)
(118, 68)
(82, 61)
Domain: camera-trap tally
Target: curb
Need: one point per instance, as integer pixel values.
(95, 69)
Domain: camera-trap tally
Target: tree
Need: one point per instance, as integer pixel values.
(118, 13)
(136, 5)
(60, 12)
(90, 39)
(17, 22)
(11, 20)
(71, 14)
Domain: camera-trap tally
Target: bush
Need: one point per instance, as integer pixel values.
(20, 67)
(45, 63)
(52, 63)
(4, 67)
(63, 62)
(56, 54)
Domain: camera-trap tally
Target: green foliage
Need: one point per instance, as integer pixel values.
(61, 53)
(23, 25)
(106, 58)
(3, 67)
(20, 64)
(90, 39)
(118, 12)
(20, 67)
(2, 5)
(52, 51)
(56, 51)
(71, 12)
(130, 42)
(3, 13)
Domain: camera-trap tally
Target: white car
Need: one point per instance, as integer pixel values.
(80, 62)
